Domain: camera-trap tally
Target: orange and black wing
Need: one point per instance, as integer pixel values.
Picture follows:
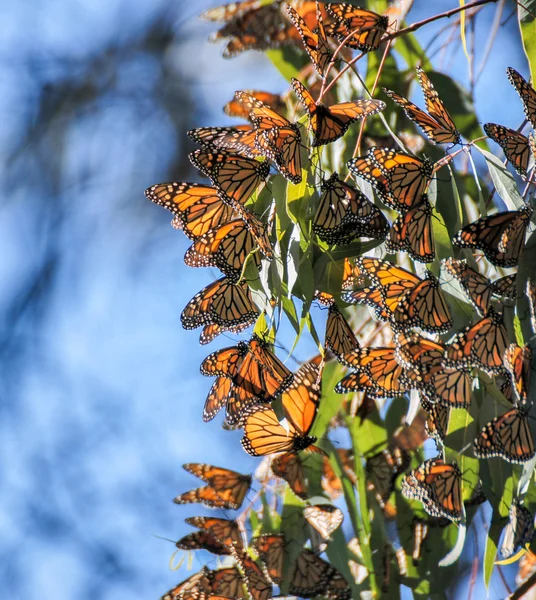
(301, 399)
(315, 42)
(526, 93)
(331, 123)
(438, 486)
(424, 306)
(515, 145)
(226, 531)
(226, 247)
(222, 302)
(367, 26)
(236, 177)
(235, 108)
(271, 549)
(517, 361)
(197, 208)
(240, 138)
(289, 467)
(407, 176)
(480, 345)
(507, 437)
(340, 337)
(500, 236)
(197, 585)
(412, 233)
(477, 287)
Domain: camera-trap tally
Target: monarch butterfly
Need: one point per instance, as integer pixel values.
(526, 93)
(515, 145)
(520, 528)
(275, 137)
(264, 434)
(372, 297)
(423, 306)
(257, 230)
(234, 108)
(531, 297)
(225, 531)
(412, 233)
(437, 124)
(505, 287)
(500, 236)
(226, 583)
(222, 302)
(367, 25)
(197, 585)
(289, 467)
(437, 486)
(252, 25)
(311, 576)
(236, 177)
(226, 247)
(344, 213)
(480, 345)
(240, 139)
(203, 540)
(477, 287)
(340, 338)
(399, 178)
(257, 584)
(255, 373)
(437, 423)
(383, 468)
(377, 372)
(508, 437)
(517, 362)
(391, 280)
(271, 549)
(324, 518)
(225, 489)
(409, 300)
(198, 208)
(315, 42)
(331, 123)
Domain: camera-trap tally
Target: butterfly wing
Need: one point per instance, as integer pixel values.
(515, 145)
(282, 146)
(412, 233)
(526, 93)
(236, 177)
(340, 337)
(271, 549)
(507, 437)
(289, 467)
(198, 208)
(477, 287)
(302, 398)
(480, 345)
(424, 306)
(226, 531)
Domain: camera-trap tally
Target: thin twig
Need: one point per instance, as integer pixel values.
(524, 588)
(491, 39)
(445, 15)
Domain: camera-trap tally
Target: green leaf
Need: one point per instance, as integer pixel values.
(503, 180)
(412, 52)
(288, 61)
(293, 525)
(490, 551)
(527, 26)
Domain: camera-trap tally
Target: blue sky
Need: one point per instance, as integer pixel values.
(100, 395)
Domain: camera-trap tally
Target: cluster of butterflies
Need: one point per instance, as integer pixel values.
(261, 25)
(310, 574)
(277, 408)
